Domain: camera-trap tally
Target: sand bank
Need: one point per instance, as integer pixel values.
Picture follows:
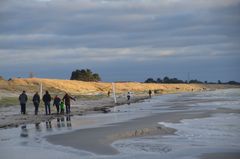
(98, 140)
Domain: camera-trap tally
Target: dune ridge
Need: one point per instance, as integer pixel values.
(93, 88)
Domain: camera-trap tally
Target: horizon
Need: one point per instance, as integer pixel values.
(123, 40)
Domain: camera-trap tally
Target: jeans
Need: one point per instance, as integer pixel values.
(36, 105)
(23, 108)
(47, 108)
(67, 108)
(57, 106)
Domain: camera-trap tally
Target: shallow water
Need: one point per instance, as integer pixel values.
(194, 137)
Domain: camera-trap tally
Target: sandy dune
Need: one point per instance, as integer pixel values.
(93, 88)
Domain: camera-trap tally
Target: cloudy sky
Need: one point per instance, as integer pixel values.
(128, 40)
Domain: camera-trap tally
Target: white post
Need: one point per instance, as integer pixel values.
(41, 90)
(114, 94)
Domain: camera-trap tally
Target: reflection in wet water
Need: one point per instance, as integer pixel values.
(48, 126)
(61, 122)
(68, 121)
(38, 127)
(24, 131)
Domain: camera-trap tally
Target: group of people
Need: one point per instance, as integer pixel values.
(57, 102)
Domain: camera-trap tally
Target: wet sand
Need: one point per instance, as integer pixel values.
(99, 140)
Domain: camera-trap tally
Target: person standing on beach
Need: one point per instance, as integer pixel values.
(23, 100)
(47, 99)
(150, 93)
(108, 93)
(36, 102)
(56, 102)
(67, 99)
(128, 96)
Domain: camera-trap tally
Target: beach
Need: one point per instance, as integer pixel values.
(199, 125)
(90, 96)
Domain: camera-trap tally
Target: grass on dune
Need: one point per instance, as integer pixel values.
(8, 101)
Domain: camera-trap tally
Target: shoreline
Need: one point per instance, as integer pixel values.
(79, 108)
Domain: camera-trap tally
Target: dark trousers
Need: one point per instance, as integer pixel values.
(57, 106)
(23, 108)
(67, 108)
(47, 108)
(36, 105)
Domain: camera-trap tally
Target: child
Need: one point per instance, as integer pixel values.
(62, 107)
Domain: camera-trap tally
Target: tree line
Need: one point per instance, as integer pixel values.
(175, 80)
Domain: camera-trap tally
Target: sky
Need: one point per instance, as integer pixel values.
(122, 40)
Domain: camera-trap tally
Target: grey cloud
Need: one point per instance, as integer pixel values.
(86, 31)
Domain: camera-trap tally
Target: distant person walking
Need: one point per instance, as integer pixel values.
(47, 99)
(67, 99)
(36, 102)
(23, 100)
(56, 102)
(108, 93)
(128, 95)
(150, 93)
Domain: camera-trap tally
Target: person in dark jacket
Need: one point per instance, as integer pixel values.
(36, 102)
(128, 96)
(56, 102)
(67, 99)
(23, 100)
(150, 93)
(47, 99)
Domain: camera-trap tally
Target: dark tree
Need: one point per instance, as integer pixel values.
(85, 75)
(159, 80)
(233, 82)
(150, 80)
(166, 80)
(195, 81)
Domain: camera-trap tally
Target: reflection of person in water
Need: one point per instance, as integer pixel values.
(24, 132)
(58, 123)
(61, 122)
(48, 125)
(37, 126)
(68, 120)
